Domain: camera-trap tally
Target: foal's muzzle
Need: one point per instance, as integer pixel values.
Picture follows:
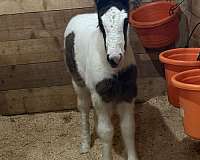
(114, 60)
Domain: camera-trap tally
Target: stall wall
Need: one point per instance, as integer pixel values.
(33, 77)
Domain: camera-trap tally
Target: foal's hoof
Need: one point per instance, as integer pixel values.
(84, 148)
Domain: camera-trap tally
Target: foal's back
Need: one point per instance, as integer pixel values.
(82, 25)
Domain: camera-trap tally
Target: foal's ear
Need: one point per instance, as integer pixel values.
(125, 3)
(101, 4)
(104, 1)
(101, 1)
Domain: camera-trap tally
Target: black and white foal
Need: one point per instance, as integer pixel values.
(103, 69)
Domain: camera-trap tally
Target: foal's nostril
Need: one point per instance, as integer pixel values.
(114, 60)
(117, 58)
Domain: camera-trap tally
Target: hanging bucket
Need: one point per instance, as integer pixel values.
(188, 84)
(156, 23)
(175, 61)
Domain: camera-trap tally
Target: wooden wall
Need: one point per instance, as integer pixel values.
(24, 6)
(192, 10)
(195, 18)
(32, 73)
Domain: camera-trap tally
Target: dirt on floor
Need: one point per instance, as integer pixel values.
(56, 136)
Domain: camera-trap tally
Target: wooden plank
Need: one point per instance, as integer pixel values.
(150, 69)
(57, 98)
(30, 51)
(194, 21)
(24, 6)
(56, 36)
(150, 87)
(33, 27)
(194, 42)
(149, 65)
(147, 56)
(34, 75)
(55, 73)
(195, 7)
(135, 42)
(36, 25)
(37, 100)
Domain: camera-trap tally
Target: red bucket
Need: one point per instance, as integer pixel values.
(154, 24)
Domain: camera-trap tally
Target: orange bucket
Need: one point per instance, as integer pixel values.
(188, 83)
(154, 25)
(175, 61)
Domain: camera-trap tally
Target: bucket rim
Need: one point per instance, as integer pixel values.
(164, 57)
(176, 80)
(138, 24)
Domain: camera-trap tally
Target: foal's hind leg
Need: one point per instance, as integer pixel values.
(84, 103)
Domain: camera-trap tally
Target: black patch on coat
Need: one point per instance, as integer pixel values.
(125, 30)
(101, 27)
(121, 87)
(70, 60)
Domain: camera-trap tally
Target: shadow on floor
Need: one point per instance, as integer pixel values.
(154, 139)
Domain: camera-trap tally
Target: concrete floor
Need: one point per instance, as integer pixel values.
(55, 136)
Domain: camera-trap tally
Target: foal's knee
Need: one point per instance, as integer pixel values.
(105, 132)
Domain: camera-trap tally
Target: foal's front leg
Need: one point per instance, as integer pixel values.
(104, 126)
(127, 124)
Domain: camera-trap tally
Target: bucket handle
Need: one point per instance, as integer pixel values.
(174, 7)
(198, 58)
(190, 36)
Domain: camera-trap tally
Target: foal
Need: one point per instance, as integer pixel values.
(103, 70)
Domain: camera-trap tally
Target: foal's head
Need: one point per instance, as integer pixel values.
(113, 23)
